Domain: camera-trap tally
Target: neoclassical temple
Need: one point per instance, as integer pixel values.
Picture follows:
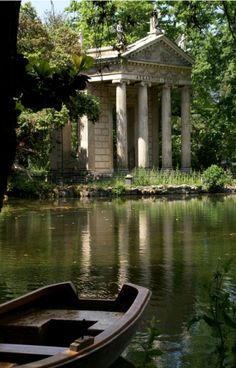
(134, 84)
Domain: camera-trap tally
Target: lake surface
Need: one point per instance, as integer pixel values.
(169, 245)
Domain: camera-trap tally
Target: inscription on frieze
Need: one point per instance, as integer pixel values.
(144, 77)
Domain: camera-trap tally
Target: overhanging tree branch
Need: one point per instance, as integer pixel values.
(231, 19)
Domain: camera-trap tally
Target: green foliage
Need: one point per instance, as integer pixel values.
(145, 353)
(215, 178)
(98, 20)
(144, 177)
(118, 188)
(218, 312)
(34, 131)
(33, 37)
(51, 41)
(49, 81)
(42, 86)
(49, 73)
(141, 177)
(84, 104)
(24, 186)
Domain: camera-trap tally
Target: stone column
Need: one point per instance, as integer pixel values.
(155, 129)
(166, 128)
(143, 160)
(56, 151)
(185, 130)
(66, 149)
(121, 124)
(83, 145)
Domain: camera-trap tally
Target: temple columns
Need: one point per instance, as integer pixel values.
(143, 160)
(121, 122)
(143, 138)
(166, 128)
(185, 129)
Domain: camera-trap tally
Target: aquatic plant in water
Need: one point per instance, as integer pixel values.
(217, 313)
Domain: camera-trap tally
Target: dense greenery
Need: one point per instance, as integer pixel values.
(98, 19)
(215, 178)
(51, 55)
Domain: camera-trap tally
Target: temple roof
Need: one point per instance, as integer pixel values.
(154, 58)
(154, 48)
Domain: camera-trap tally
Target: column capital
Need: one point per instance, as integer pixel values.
(120, 81)
(145, 83)
(166, 85)
(186, 87)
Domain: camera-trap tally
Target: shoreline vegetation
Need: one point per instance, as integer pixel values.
(139, 183)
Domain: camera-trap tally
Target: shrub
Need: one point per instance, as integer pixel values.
(215, 178)
(24, 186)
(118, 188)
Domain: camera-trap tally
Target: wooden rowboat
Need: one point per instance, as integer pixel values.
(53, 327)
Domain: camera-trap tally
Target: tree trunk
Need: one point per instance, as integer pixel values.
(9, 16)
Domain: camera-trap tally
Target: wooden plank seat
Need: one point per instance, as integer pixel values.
(39, 350)
(100, 320)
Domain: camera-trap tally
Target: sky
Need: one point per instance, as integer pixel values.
(43, 5)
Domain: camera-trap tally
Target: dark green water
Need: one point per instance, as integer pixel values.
(170, 246)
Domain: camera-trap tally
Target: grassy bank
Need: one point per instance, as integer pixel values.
(141, 181)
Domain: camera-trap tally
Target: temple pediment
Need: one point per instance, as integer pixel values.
(157, 49)
(154, 58)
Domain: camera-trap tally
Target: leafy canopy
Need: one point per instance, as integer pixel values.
(50, 76)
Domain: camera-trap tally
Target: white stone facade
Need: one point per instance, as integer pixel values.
(134, 88)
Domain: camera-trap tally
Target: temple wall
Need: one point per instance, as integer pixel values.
(100, 137)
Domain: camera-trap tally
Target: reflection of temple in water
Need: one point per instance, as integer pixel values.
(139, 243)
(106, 244)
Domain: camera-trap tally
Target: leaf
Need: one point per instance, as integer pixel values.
(229, 321)
(43, 69)
(77, 61)
(210, 321)
(88, 62)
(154, 352)
(19, 106)
(192, 321)
(82, 62)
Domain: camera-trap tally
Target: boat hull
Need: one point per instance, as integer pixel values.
(53, 327)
